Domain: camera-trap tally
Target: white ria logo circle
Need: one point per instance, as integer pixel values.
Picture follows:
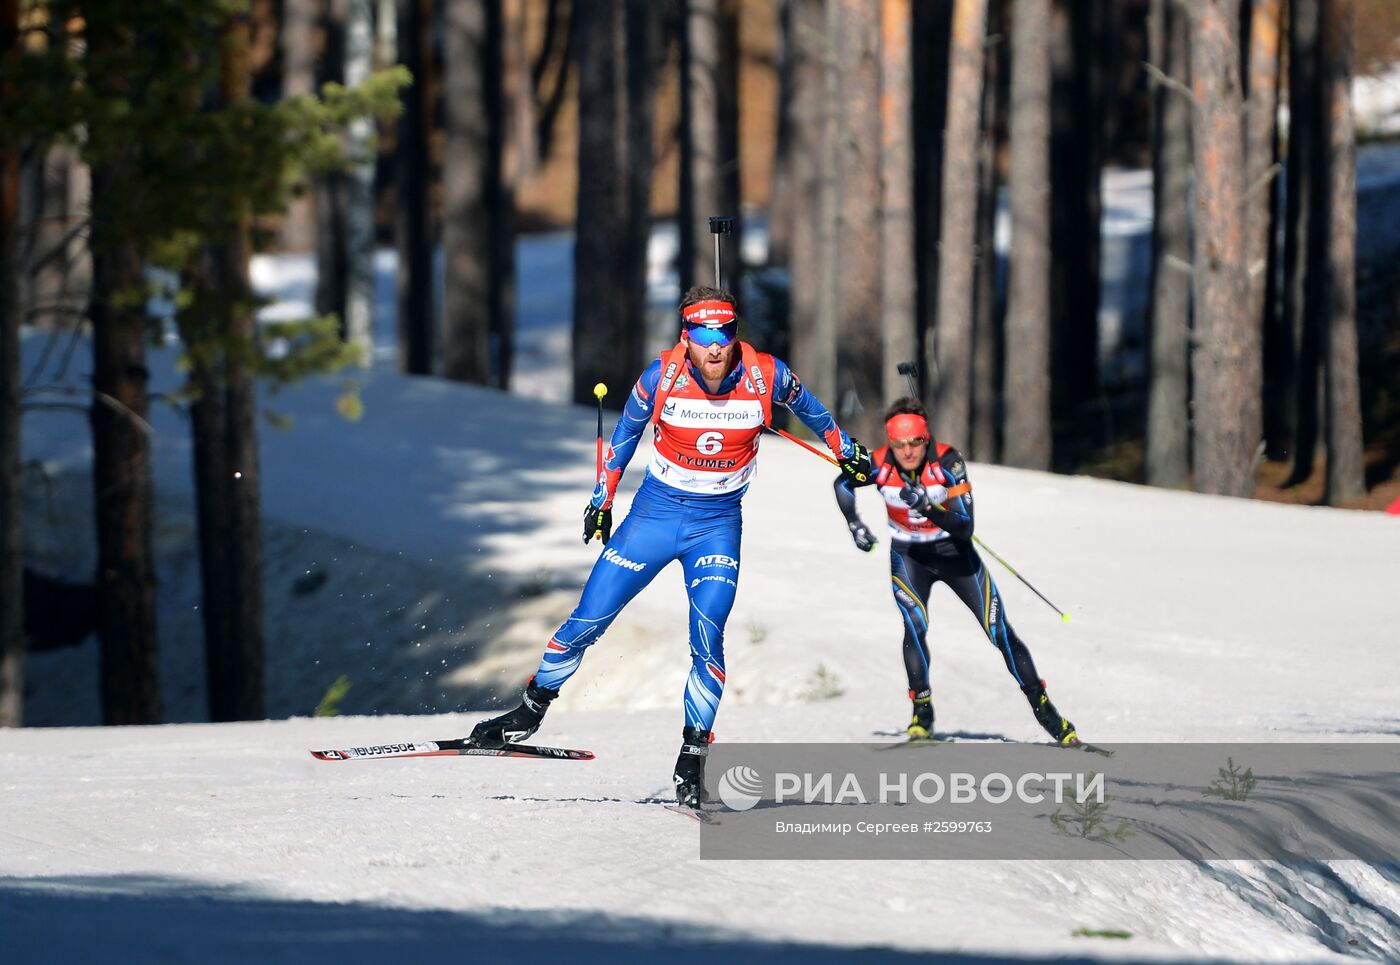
(740, 787)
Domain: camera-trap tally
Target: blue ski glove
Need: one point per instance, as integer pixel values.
(597, 522)
(864, 539)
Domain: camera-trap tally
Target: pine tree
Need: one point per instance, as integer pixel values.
(1167, 461)
(951, 364)
(1028, 431)
(1227, 352)
(11, 539)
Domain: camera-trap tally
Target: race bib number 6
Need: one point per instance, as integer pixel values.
(709, 443)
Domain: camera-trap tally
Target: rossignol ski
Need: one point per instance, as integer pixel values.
(455, 747)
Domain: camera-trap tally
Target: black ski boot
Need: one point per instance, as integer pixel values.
(1057, 726)
(518, 724)
(690, 767)
(921, 726)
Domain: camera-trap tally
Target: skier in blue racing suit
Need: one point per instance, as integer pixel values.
(706, 402)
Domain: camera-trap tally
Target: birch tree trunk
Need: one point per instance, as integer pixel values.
(1027, 436)
(1168, 455)
(359, 199)
(951, 363)
(1226, 356)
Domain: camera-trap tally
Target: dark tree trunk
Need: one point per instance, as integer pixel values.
(413, 223)
(1027, 441)
(987, 349)
(466, 226)
(932, 35)
(126, 628)
(898, 280)
(1299, 349)
(951, 365)
(708, 139)
(1168, 455)
(784, 197)
(613, 214)
(1076, 171)
(502, 202)
(227, 474)
(1346, 468)
(11, 539)
(811, 123)
(1226, 356)
(859, 350)
(331, 190)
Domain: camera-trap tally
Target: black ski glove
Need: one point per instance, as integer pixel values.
(597, 522)
(857, 467)
(864, 539)
(923, 501)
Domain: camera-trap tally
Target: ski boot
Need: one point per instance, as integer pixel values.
(1058, 727)
(921, 726)
(690, 767)
(518, 724)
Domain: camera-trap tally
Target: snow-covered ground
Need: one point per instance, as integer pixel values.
(440, 538)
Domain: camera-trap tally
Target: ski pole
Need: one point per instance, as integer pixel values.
(810, 448)
(599, 391)
(957, 490)
(910, 371)
(1064, 617)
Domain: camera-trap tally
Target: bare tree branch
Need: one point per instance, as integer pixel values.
(1170, 82)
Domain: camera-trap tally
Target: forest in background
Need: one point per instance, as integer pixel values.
(148, 147)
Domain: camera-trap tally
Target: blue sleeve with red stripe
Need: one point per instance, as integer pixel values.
(636, 415)
(792, 393)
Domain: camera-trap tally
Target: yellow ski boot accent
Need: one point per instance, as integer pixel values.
(921, 724)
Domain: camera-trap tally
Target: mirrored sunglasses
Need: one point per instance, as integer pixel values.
(907, 443)
(707, 336)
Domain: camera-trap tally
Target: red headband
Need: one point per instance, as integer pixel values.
(712, 313)
(906, 425)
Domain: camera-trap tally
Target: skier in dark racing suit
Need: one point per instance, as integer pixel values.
(929, 503)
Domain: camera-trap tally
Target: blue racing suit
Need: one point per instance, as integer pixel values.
(701, 530)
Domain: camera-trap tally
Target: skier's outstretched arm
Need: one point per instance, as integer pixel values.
(790, 392)
(846, 502)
